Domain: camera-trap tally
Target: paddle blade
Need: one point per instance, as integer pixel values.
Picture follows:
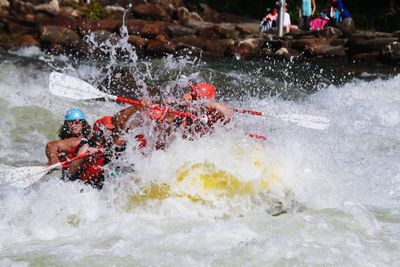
(70, 87)
(307, 121)
(24, 176)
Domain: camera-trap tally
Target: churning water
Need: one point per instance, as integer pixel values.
(303, 197)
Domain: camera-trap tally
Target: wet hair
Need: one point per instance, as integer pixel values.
(64, 132)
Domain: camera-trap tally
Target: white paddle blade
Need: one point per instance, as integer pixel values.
(70, 87)
(24, 176)
(308, 121)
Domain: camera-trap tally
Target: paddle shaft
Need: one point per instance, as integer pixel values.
(64, 164)
(247, 111)
(258, 136)
(139, 103)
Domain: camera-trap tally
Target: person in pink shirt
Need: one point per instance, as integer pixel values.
(268, 23)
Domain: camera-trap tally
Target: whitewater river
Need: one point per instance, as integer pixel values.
(303, 197)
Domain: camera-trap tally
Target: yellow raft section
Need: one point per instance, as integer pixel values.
(204, 181)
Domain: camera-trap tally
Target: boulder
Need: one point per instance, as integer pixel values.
(249, 48)
(200, 25)
(58, 35)
(347, 26)
(160, 47)
(220, 48)
(187, 50)
(210, 14)
(194, 18)
(176, 3)
(367, 35)
(137, 41)
(182, 14)
(371, 57)
(102, 36)
(341, 41)
(111, 25)
(52, 8)
(391, 53)
(20, 8)
(86, 26)
(116, 12)
(70, 12)
(274, 45)
(17, 28)
(179, 30)
(357, 46)
(152, 12)
(227, 30)
(215, 48)
(147, 29)
(192, 40)
(325, 50)
(210, 33)
(26, 40)
(282, 52)
(302, 44)
(4, 3)
(42, 19)
(331, 33)
(248, 28)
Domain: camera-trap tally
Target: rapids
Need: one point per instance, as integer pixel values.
(303, 197)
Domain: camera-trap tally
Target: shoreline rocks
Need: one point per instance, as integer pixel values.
(159, 28)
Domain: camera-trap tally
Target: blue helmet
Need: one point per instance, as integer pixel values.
(74, 114)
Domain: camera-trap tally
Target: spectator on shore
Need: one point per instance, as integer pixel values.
(287, 24)
(268, 23)
(306, 11)
(319, 23)
(337, 11)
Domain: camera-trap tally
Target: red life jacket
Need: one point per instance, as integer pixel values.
(93, 168)
(91, 171)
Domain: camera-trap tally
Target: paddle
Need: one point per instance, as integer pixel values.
(26, 176)
(307, 121)
(70, 87)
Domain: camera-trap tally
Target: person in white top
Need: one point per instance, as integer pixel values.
(287, 25)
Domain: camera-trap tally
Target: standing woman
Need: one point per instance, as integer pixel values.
(71, 133)
(306, 11)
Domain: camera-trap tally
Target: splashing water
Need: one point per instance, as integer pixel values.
(216, 200)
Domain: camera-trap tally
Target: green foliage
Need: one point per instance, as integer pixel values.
(73, 4)
(95, 11)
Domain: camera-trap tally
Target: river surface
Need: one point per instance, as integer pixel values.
(303, 197)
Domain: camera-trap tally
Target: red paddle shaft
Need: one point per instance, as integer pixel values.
(139, 103)
(247, 111)
(65, 164)
(189, 115)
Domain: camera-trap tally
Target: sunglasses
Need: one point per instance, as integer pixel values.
(75, 122)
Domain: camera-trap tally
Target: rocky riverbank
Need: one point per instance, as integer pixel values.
(157, 28)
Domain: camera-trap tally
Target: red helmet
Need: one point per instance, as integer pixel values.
(203, 90)
(104, 122)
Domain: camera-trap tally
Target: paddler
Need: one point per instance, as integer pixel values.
(102, 146)
(150, 126)
(200, 100)
(74, 129)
